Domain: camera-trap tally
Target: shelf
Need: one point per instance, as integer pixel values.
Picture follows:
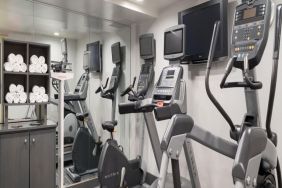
(25, 104)
(39, 74)
(15, 73)
(27, 79)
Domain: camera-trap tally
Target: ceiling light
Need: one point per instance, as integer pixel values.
(57, 34)
(139, 1)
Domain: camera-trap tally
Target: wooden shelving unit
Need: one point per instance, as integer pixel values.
(27, 79)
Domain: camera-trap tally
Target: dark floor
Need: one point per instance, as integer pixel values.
(87, 181)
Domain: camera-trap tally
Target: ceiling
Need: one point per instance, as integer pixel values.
(157, 5)
(74, 18)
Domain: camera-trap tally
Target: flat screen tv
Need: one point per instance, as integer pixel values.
(147, 46)
(174, 42)
(116, 53)
(199, 21)
(95, 49)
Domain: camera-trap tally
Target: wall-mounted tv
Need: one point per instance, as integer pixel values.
(174, 42)
(116, 53)
(147, 46)
(199, 21)
(95, 50)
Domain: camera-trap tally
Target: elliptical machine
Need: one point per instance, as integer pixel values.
(255, 155)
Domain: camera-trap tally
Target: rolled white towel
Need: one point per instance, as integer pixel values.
(16, 67)
(12, 88)
(35, 89)
(9, 98)
(19, 58)
(41, 60)
(32, 98)
(20, 88)
(45, 98)
(38, 68)
(34, 59)
(8, 66)
(42, 90)
(23, 97)
(12, 58)
(16, 97)
(44, 68)
(23, 67)
(39, 98)
(32, 68)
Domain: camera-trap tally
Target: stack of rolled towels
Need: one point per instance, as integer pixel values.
(16, 94)
(15, 63)
(38, 95)
(38, 64)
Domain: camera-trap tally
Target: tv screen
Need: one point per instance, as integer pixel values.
(199, 21)
(173, 42)
(95, 50)
(147, 46)
(116, 53)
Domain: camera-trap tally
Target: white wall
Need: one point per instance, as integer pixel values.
(214, 169)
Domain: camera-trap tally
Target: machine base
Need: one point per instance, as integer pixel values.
(77, 177)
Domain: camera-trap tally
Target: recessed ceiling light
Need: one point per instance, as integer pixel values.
(139, 1)
(57, 34)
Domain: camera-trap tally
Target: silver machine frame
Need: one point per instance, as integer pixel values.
(255, 148)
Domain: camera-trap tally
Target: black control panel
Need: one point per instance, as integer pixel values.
(82, 83)
(250, 31)
(115, 79)
(168, 85)
(145, 78)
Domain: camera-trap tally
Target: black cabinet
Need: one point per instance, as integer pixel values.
(14, 160)
(27, 159)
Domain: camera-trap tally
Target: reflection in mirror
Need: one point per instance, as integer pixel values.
(40, 23)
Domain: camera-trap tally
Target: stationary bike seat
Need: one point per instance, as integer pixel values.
(109, 125)
(82, 116)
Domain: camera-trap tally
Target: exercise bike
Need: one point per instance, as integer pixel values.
(113, 159)
(110, 92)
(168, 98)
(87, 146)
(255, 154)
(74, 103)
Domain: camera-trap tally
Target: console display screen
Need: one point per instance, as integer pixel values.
(249, 13)
(173, 42)
(170, 74)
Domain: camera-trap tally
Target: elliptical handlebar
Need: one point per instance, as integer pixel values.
(247, 81)
(134, 80)
(106, 85)
(102, 88)
(209, 65)
(129, 89)
(277, 40)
